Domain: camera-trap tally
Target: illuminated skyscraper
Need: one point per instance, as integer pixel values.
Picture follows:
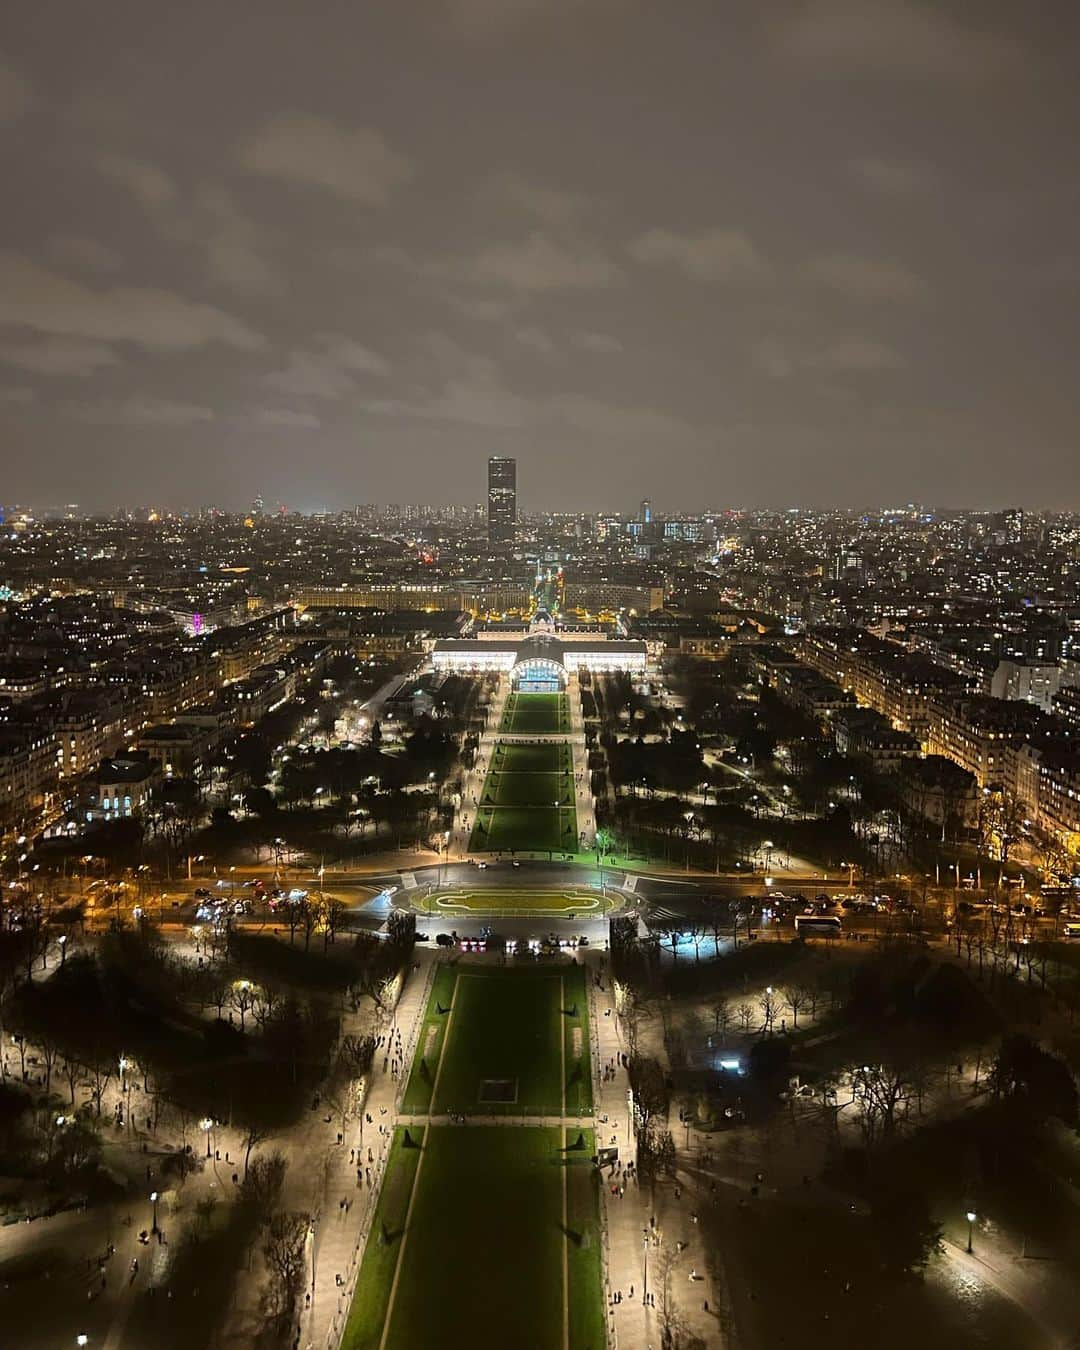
(645, 514)
(502, 499)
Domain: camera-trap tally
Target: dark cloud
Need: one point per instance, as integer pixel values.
(766, 251)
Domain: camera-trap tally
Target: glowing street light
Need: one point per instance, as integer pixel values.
(971, 1217)
(207, 1124)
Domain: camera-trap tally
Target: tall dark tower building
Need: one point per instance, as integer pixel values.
(502, 499)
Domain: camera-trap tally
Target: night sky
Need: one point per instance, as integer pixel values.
(720, 254)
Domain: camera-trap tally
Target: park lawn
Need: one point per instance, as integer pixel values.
(546, 757)
(584, 1255)
(506, 828)
(576, 1049)
(505, 1025)
(482, 1262)
(429, 1043)
(367, 1314)
(537, 715)
(528, 789)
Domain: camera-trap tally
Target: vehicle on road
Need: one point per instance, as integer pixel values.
(817, 925)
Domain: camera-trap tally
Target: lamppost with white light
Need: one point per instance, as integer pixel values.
(971, 1217)
(207, 1124)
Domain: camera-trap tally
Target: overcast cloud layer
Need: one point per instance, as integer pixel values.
(721, 254)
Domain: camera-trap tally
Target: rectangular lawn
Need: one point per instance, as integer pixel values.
(537, 715)
(482, 1260)
(502, 828)
(546, 757)
(527, 789)
(505, 1026)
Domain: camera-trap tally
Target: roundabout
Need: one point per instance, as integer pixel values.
(569, 903)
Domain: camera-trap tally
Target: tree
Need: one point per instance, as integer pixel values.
(798, 996)
(1029, 1076)
(253, 1135)
(648, 1084)
(358, 1054)
(283, 1250)
(883, 1093)
(334, 912)
(769, 1005)
(262, 1183)
(745, 1014)
(906, 1233)
(242, 996)
(722, 1019)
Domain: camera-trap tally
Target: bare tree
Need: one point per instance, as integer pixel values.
(334, 914)
(286, 1237)
(745, 1013)
(722, 1019)
(73, 1072)
(242, 997)
(253, 1135)
(882, 1093)
(100, 1078)
(798, 996)
(263, 1181)
(769, 1005)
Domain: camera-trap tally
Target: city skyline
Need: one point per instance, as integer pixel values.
(796, 255)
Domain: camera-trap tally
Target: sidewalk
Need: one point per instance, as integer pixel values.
(586, 805)
(642, 1228)
(340, 1234)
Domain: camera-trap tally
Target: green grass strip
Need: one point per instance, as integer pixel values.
(367, 1314)
(429, 1044)
(584, 1264)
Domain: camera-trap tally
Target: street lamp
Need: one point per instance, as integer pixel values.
(153, 1201)
(207, 1124)
(82, 1338)
(971, 1217)
(645, 1279)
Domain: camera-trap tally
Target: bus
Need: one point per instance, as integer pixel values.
(817, 925)
(1070, 931)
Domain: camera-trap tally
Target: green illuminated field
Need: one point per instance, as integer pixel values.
(487, 1234)
(476, 1195)
(518, 829)
(544, 757)
(522, 1027)
(537, 715)
(527, 789)
(517, 810)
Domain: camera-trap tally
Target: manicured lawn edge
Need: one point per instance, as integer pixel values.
(584, 1264)
(417, 1097)
(367, 1313)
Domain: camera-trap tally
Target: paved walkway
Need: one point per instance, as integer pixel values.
(585, 802)
(340, 1233)
(656, 1230)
